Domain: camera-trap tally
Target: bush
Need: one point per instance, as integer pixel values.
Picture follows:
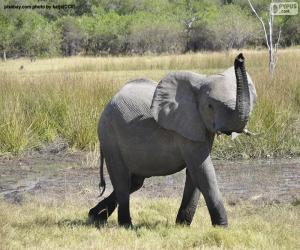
(106, 33)
(201, 37)
(32, 35)
(155, 35)
(233, 28)
(73, 36)
(157, 38)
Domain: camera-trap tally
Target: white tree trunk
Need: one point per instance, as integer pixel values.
(269, 39)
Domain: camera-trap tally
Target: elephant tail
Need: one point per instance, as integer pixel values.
(102, 184)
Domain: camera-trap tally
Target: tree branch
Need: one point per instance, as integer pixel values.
(262, 23)
(276, 46)
(278, 39)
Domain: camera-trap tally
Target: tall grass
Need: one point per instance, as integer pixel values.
(65, 96)
(63, 225)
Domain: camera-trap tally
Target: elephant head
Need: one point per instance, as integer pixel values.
(193, 104)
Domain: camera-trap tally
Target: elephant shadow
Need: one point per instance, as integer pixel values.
(152, 225)
(74, 223)
(136, 227)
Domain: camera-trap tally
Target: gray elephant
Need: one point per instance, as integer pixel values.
(155, 130)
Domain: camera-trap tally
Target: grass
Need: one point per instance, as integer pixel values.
(63, 97)
(63, 225)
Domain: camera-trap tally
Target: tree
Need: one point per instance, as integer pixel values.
(290, 30)
(195, 16)
(83, 7)
(149, 33)
(6, 31)
(233, 28)
(201, 37)
(106, 33)
(156, 38)
(127, 7)
(271, 45)
(72, 35)
(34, 36)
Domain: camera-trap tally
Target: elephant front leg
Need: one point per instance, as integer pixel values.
(207, 182)
(197, 157)
(189, 202)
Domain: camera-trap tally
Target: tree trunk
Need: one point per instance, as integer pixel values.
(271, 50)
(4, 56)
(271, 61)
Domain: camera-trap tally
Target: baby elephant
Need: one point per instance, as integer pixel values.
(150, 129)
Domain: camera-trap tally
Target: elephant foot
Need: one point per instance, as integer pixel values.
(125, 222)
(221, 225)
(126, 225)
(98, 219)
(218, 216)
(184, 218)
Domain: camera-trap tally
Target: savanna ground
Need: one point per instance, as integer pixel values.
(48, 115)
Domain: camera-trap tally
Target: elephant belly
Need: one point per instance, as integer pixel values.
(148, 163)
(149, 150)
(146, 149)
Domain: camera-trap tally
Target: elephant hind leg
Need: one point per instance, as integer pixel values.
(100, 213)
(120, 178)
(189, 202)
(123, 195)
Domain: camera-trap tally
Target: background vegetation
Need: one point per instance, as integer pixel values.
(136, 27)
(64, 97)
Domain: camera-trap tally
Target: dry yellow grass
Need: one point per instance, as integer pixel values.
(54, 225)
(64, 97)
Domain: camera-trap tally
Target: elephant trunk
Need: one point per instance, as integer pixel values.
(242, 108)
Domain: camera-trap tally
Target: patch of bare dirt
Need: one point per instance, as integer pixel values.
(55, 172)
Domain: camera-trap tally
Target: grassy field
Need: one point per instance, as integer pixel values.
(54, 225)
(63, 97)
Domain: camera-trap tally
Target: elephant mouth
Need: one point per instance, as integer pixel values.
(224, 132)
(245, 131)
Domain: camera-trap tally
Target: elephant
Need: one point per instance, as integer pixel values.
(149, 129)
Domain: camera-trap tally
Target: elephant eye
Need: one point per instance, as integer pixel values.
(210, 106)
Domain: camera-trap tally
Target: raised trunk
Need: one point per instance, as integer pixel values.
(242, 108)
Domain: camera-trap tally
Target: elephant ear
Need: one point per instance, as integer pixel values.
(174, 105)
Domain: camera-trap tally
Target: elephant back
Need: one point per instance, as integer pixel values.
(133, 101)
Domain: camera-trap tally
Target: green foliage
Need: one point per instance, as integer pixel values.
(149, 33)
(72, 35)
(28, 34)
(130, 26)
(233, 28)
(291, 30)
(7, 30)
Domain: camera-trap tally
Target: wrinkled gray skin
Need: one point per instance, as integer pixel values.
(153, 130)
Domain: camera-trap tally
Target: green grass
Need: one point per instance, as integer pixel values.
(63, 225)
(63, 97)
